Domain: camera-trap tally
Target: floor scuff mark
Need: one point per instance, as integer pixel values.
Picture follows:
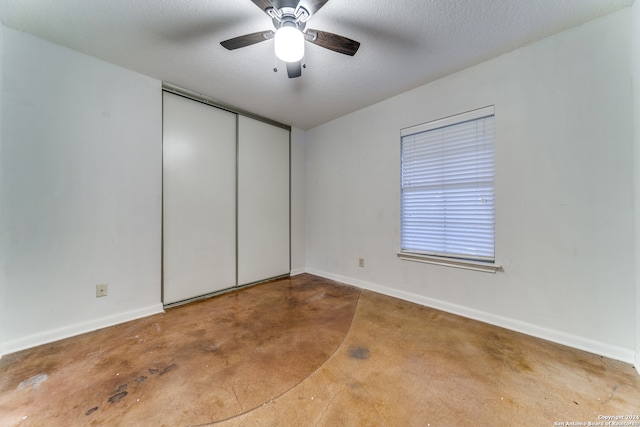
(613, 391)
(116, 397)
(34, 381)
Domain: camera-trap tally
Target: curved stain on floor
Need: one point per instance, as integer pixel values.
(202, 362)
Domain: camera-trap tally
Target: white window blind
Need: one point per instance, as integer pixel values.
(447, 187)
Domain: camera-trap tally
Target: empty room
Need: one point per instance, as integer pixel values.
(319, 212)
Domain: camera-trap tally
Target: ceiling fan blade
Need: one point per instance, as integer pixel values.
(247, 40)
(332, 42)
(263, 4)
(294, 69)
(312, 6)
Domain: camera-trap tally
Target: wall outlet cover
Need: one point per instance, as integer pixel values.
(101, 290)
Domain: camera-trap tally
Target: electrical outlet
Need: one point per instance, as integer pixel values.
(361, 262)
(101, 290)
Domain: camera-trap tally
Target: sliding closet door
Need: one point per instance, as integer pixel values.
(199, 199)
(263, 201)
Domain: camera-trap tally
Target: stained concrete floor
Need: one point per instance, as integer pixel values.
(309, 351)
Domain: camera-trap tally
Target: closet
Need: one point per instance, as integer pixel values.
(225, 199)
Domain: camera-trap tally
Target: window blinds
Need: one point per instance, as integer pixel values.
(447, 187)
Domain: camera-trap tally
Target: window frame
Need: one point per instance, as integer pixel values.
(470, 262)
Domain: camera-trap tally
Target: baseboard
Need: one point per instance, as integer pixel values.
(77, 329)
(636, 364)
(581, 343)
(297, 271)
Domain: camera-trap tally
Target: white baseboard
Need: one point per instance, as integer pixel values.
(297, 271)
(637, 363)
(77, 329)
(581, 343)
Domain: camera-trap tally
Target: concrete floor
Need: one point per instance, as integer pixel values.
(309, 351)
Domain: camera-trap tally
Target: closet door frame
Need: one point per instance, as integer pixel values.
(176, 90)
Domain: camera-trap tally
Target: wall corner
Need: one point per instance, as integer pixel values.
(298, 200)
(635, 72)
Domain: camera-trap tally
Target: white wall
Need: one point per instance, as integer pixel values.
(80, 192)
(564, 189)
(3, 273)
(636, 96)
(297, 201)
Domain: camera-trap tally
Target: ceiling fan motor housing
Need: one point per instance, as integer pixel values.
(289, 16)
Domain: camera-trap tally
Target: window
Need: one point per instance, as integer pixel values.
(447, 191)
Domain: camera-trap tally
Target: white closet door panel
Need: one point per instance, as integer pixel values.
(263, 201)
(199, 205)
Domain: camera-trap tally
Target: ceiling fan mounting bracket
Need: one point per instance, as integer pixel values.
(311, 35)
(302, 14)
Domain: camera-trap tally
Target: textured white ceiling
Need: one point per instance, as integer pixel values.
(404, 44)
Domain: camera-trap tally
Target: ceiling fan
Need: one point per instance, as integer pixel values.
(290, 20)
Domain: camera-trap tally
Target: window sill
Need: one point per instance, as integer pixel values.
(451, 262)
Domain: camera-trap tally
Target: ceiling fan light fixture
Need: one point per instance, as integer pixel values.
(289, 18)
(289, 44)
